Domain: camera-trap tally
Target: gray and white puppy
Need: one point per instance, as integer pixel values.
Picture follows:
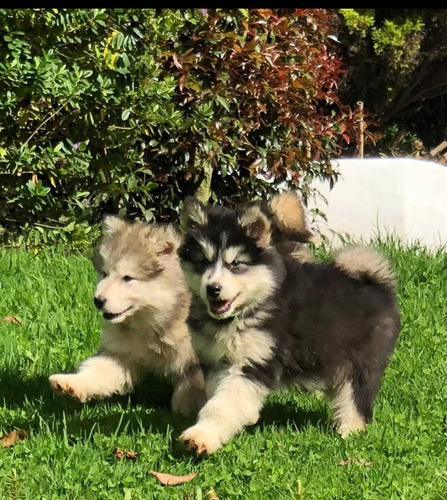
(262, 320)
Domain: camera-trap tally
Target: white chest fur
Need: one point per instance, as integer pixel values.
(238, 342)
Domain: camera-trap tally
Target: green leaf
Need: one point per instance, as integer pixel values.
(223, 102)
(83, 145)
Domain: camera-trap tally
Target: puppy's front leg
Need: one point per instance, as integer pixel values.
(97, 377)
(187, 375)
(189, 391)
(235, 403)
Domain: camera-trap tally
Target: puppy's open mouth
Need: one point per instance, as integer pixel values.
(219, 306)
(110, 316)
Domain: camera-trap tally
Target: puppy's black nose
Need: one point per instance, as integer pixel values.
(99, 302)
(213, 290)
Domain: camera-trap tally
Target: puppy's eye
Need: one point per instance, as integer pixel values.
(104, 274)
(128, 278)
(238, 265)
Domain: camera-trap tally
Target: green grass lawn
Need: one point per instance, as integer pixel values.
(293, 452)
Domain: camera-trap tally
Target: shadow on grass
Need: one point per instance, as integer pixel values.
(290, 413)
(34, 407)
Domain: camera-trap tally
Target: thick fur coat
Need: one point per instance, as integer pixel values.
(262, 320)
(145, 303)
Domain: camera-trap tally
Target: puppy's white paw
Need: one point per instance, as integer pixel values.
(347, 430)
(69, 384)
(201, 439)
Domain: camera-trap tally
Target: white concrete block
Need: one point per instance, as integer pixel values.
(400, 196)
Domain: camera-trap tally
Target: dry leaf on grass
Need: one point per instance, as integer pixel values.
(12, 319)
(13, 438)
(121, 454)
(211, 495)
(356, 461)
(171, 480)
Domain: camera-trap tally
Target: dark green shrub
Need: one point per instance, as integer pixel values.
(67, 135)
(129, 110)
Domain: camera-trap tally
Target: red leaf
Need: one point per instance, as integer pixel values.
(181, 83)
(13, 438)
(12, 319)
(171, 480)
(121, 454)
(177, 63)
(356, 461)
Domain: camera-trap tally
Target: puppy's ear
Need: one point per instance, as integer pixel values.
(192, 214)
(256, 225)
(169, 243)
(111, 224)
(289, 218)
(164, 239)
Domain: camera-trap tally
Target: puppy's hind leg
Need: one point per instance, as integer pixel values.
(98, 377)
(347, 416)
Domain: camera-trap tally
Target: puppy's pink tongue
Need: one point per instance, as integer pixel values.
(221, 307)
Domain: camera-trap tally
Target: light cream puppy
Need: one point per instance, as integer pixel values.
(145, 302)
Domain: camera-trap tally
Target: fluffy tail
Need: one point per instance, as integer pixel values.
(366, 263)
